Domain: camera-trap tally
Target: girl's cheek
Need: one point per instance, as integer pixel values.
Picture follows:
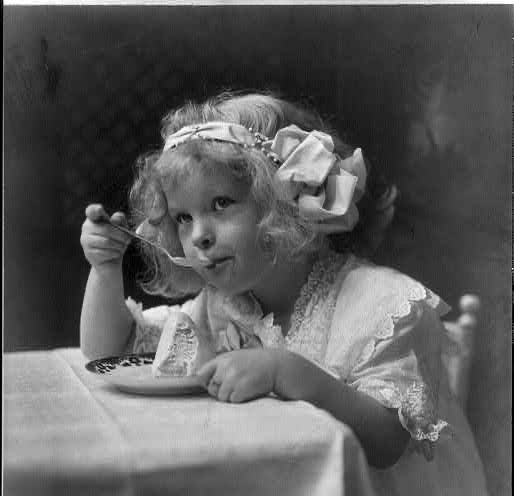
(185, 241)
(181, 231)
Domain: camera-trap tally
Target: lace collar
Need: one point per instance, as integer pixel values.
(321, 278)
(311, 310)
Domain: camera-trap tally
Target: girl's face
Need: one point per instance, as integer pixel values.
(216, 220)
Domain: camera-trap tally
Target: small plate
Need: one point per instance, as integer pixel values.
(133, 374)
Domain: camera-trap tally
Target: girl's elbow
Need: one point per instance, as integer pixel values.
(89, 352)
(390, 452)
(87, 346)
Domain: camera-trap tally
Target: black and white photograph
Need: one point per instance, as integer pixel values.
(257, 248)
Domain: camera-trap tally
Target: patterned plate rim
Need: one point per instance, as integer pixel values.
(96, 366)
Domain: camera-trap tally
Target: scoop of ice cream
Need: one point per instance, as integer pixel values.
(181, 350)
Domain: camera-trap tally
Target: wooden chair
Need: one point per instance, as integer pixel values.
(458, 350)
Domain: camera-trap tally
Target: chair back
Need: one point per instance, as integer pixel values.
(457, 350)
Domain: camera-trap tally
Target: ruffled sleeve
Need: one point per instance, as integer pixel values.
(386, 342)
(149, 323)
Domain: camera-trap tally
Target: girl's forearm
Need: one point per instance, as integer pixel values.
(378, 428)
(105, 322)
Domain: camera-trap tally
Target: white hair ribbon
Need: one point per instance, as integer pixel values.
(325, 187)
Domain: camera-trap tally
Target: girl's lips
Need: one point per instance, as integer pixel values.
(215, 262)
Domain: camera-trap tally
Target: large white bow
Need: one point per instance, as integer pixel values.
(325, 186)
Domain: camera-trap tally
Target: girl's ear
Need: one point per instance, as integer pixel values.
(268, 247)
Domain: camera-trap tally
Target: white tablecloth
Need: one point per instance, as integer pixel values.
(67, 432)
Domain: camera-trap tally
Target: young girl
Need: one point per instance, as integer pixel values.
(253, 191)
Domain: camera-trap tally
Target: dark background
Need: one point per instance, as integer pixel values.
(425, 90)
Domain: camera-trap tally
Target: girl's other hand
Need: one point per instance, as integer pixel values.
(103, 245)
(240, 375)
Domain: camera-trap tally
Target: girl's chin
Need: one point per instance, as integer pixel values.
(231, 278)
(229, 286)
(220, 274)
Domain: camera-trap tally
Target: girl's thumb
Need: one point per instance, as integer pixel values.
(96, 212)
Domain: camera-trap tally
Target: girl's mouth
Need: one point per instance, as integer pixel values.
(216, 263)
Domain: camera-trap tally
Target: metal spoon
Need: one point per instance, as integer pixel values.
(180, 261)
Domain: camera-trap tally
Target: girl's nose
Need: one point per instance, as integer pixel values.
(203, 237)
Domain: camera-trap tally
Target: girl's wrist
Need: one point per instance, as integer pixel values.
(109, 278)
(107, 271)
(295, 377)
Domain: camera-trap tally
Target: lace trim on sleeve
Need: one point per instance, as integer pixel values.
(418, 415)
(414, 400)
(403, 307)
(416, 412)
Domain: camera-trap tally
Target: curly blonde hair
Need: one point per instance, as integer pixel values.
(282, 231)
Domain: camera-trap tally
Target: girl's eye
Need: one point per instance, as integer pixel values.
(222, 203)
(183, 218)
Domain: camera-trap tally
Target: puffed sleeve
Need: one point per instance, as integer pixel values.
(149, 323)
(395, 353)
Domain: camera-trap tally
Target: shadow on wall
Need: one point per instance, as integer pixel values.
(425, 91)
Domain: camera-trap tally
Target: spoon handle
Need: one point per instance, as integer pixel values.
(180, 261)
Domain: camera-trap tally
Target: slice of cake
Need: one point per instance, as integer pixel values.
(177, 350)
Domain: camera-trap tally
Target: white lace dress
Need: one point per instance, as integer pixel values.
(377, 330)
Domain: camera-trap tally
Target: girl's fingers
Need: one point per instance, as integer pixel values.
(241, 391)
(100, 240)
(120, 219)
(206, 371)
(96, 212)
(101, 251)
(238, 396)
(225, 390)
(90, 228)
(214, 386)
(245, 389)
